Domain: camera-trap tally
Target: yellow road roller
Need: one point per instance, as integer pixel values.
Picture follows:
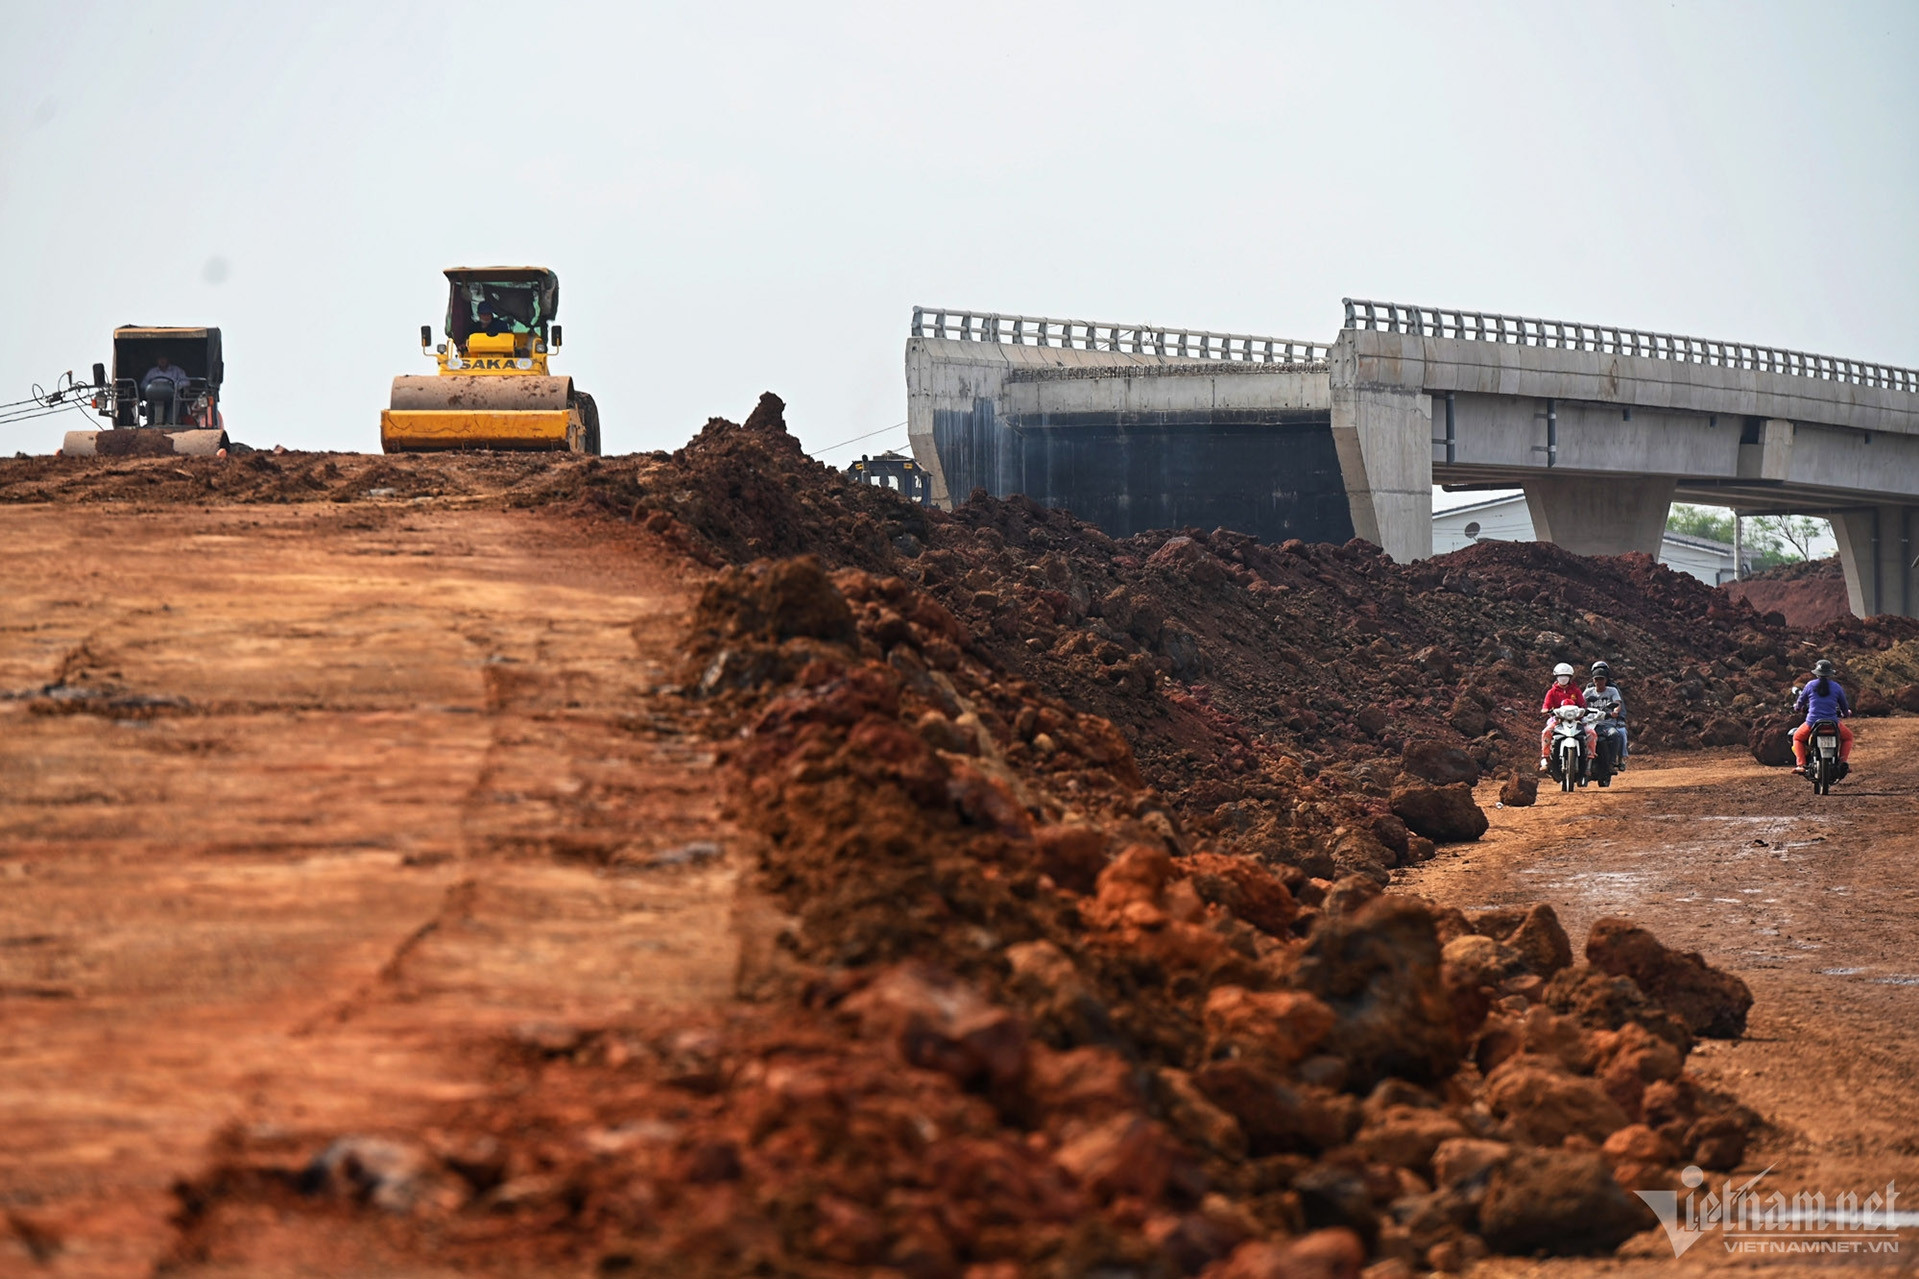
(493, 390)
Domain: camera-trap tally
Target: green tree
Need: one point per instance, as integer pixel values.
(1790, 537)
(1714, 522)
(1767, 539)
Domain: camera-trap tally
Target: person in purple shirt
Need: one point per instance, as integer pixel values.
(1821, 698)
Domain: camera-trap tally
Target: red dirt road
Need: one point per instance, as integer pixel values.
(323, 797)
(1815, 902)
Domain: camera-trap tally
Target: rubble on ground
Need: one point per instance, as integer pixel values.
(1089, 960)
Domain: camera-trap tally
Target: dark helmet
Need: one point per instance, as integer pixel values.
(1823, 669)
(1600, 668)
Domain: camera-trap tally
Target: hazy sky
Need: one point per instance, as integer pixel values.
(742, 197)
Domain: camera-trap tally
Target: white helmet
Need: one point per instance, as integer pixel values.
(1563, 671)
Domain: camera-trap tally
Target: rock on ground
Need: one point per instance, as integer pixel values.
(1444, 814)
(1710, 1002)
(1559, 1202)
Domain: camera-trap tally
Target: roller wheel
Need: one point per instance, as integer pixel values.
(590, 419)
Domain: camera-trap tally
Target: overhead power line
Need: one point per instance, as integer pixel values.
(857, 438)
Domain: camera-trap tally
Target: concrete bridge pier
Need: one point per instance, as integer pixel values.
(1383, 435)
(1600, 515)
(1877, 549)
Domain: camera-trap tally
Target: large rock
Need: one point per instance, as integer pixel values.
(1710, 1002)
(1467, 715)
(1407, 1136)
(1440, 764)
(1466, 1160)
(1721, 731)
(1378, 969)
(1063, 1006)
(1244, 887)
(1443, 814)
(1907, 698)
(1521, 789)
(1540, 941)
(1559, 1202)
(1276, 1028)
(1872, 704)
(936, 1021)
(1543, 1104)
(1479, 961)
(775, 600)
(1601, 1001)
(1771, 742)
(1274, 1116)
(1127, 1154)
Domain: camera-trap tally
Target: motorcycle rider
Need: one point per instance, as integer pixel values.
(1822, 698)
(1602, 695)
(1560, 693)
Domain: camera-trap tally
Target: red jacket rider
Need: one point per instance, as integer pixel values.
(1562, 693)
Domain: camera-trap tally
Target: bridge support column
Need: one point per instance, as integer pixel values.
(1590, 516)
(1384, 436)
(1876, 548)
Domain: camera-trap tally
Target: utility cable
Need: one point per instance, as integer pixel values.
(857, 438)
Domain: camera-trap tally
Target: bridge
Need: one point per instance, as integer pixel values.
(1136, 427)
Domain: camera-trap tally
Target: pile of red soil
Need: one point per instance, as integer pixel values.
(1234, 667)
(1021, 1024)
(1025, 1018)
(1804, 595)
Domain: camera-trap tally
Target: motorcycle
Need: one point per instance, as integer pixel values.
(1567, 757)
(1611, 759)
(1823, 765)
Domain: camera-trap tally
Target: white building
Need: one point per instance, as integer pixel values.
(1506, 519)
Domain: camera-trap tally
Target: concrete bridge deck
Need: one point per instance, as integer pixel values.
(1136, 427)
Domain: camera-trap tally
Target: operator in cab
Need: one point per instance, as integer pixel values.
(1822, 699)
(490, 324)
(163, 387)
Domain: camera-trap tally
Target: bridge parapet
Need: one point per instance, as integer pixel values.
(1133, 339)
(1514, 330)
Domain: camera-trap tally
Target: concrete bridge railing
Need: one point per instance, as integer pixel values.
(1514, 330)
(1086, 335)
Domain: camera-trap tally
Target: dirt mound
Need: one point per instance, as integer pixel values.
(1068, 949)
(1020, 1022)
(1819, 570)
(1804, 595)
(735, 492)
(260, 476)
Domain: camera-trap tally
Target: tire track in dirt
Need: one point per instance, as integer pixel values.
(297, 905)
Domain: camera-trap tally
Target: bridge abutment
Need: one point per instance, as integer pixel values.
(1876, 550)
(1598, 515)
